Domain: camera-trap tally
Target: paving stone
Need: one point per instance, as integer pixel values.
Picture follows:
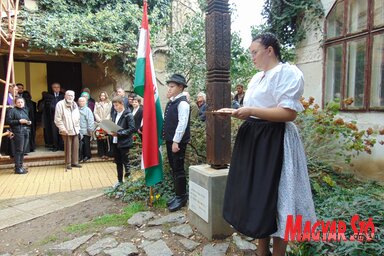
(184, 230)
(215, 249)
(138, 219)
(70, 246)
(176, 217)
(144, 243)
(153, 234)
(243, 244)
(101, 245)
(111, 230)
(158, 248)
(188, 244)
(122, 250)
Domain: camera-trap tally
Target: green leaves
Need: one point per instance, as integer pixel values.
(100, 31)
(107, 28)
(187, 54)
(329, 138)
(286, 19)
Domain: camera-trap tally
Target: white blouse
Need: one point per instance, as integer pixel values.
(281, 86)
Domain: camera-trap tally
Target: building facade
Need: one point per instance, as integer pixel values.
(345, 59)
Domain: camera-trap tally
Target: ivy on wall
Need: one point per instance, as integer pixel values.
(108, 28)
(288, 19)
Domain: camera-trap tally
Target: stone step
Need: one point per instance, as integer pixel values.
(43, 157)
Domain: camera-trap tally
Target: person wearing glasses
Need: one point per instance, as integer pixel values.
(268, 177)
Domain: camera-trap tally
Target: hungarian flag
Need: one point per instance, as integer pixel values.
(145, 86)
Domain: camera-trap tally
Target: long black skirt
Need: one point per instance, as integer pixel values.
(250, 203)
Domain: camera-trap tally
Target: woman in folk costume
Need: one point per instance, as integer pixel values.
(268, 178)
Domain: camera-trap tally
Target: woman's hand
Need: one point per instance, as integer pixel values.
(175, 147)
(225, 110)
(242, 113)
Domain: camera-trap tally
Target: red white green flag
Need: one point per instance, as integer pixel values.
(145, 86)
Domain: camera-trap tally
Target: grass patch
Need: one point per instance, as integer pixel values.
(49, 239)
(161, 203)
(108, 219)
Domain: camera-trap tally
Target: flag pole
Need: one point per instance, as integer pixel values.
(151, 198)
(150, 188)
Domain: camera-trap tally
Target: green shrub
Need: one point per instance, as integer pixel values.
(338, 197)
(136, 190)
(330, 139)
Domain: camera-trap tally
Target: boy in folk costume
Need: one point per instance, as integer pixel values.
(177, 135)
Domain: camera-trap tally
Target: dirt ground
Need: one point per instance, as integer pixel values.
(31, 235)
(34, 237)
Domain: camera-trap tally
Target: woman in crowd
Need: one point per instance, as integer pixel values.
(90, 104)
(268, 177)
(20, 124)
(102, 112)
(12, 92)
(137, 112)
(87, 125)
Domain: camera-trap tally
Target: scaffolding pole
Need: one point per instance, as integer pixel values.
(9, 11)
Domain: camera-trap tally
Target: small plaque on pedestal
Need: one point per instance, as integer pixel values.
(198, 200)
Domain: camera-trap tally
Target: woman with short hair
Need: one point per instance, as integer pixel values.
(20, 124)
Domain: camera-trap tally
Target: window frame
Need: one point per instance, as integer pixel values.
(343, 39)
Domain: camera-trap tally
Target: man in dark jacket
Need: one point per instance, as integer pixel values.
(20, 123)
(58, 143)
(177, 135)
(122, 140)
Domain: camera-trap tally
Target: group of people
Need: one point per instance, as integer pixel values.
(77, 123)
(70, 126)
(199, 107)
(268, 178)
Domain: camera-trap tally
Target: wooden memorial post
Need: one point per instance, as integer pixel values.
(218, 54)
(207, 182)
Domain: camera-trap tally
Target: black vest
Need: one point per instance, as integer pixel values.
(171, 120)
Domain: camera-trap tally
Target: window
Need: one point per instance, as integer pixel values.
(357, 16)
(378, 13)
(335, 20)
(354, 54)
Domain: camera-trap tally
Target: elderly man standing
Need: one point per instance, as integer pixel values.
(57, 96)
(87, 125)
(201, 103)
(67, 120)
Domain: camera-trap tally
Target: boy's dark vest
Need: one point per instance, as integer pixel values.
(171, 120)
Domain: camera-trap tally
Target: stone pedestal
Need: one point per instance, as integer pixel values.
(206, 197)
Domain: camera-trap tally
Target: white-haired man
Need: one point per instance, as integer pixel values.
(67, 120)
(201, 103)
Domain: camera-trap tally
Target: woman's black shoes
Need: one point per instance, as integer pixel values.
(20, 171)
(179, 202)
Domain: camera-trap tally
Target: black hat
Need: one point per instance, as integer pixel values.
(178, 79)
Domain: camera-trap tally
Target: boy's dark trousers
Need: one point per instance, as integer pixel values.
(176, 161)
(121, 160)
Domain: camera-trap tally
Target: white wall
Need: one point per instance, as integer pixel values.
(310, 56)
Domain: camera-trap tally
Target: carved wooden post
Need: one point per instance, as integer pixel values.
(218, 47)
